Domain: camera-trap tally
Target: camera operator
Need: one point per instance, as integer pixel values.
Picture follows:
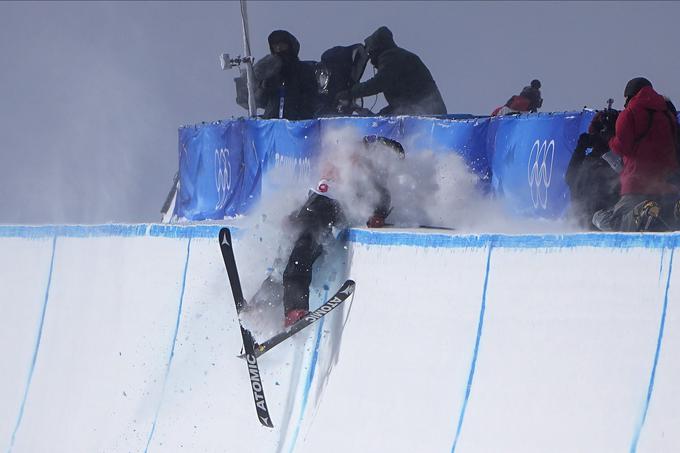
(645, 137)
(286, 86)
(593, 178)
(402, 77)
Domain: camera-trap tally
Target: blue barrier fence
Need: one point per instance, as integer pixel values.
(521, 159)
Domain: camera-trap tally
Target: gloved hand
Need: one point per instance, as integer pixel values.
(360, 111)
(343, 96)
(584, 141)
(376, 221)
(601, 141)
(606, 135)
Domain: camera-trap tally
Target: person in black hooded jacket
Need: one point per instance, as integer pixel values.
(286, 86)
(402, 77)
(593, 178)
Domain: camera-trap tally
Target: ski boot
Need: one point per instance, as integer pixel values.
(646, 215)
(294, 316)
(676, 215)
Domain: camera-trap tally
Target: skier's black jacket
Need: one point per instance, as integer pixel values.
(320, 214)
(402, 77)
(313, 225)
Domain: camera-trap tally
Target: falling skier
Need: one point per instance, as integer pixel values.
(345, 196)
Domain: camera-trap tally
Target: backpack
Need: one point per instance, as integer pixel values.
(671, 115)
(674, 122)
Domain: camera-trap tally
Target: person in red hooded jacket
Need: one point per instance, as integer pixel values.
(529, 100)
(646, 138)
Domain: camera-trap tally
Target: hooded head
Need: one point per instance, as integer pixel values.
(283, 43)
(634, 86)
(378, 42)
(533, 94)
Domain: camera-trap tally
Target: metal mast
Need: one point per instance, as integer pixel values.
(250, 79)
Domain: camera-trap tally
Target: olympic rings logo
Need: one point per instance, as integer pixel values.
(222, 176)
(539, 171)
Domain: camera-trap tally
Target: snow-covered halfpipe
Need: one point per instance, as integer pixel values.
(123, 338)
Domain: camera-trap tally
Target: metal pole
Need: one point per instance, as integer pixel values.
(250, 79)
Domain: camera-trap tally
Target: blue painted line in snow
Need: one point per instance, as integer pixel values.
(451, 240)
(309, 379)
(663, 255)
(386, 237)
(36, 348)
(473, 365)
(650, 388)
(37, 232)
(192, 231)
(172, 349)
(114, 230)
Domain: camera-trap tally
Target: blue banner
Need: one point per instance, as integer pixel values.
(210, 170)
(522, 159)
(385, 126)
(464, 137)
(291, 146)
(530, 158)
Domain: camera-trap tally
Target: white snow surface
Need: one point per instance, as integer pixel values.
(122, 338)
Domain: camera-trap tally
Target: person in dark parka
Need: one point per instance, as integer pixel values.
(593, 177)
(402, 77)
(286, 86)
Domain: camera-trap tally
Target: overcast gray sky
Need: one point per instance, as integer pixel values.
(92, 93)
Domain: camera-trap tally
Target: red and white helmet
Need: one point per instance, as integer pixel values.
(325, 187)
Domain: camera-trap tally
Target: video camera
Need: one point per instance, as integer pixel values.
(604, 124)
(227, 62)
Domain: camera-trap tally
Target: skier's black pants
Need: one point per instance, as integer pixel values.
(298, 274)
